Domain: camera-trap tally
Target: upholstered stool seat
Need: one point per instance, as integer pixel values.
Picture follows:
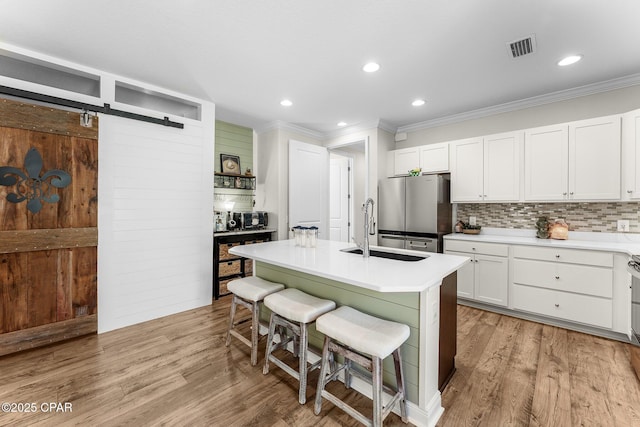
(294, 310)
(366, 340)
(248, 292)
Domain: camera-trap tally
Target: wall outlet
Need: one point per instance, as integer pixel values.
(472, 220)
(623, 225)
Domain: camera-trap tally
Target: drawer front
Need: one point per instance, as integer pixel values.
(563, 305)
(225, 248)
(228, 268)
(574, 256)
(477, 247)
(582, 279)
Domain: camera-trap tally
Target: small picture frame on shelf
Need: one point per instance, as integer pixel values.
(230, 163)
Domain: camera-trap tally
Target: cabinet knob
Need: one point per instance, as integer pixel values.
(557, 277)
(480, 195)
(485, 195)
(629, 191)
(476, 260)
(473, 249)
(557, 256)
(557, 305)
(571, 193)
(564, 194)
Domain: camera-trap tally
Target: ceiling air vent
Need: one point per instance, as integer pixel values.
(518, 48)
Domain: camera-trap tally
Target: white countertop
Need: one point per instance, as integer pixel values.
(627, 243)
(378, 274)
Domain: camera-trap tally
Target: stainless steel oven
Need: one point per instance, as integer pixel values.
(634, 269)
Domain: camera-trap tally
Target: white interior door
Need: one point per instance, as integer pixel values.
(309, 186)
(339, 198)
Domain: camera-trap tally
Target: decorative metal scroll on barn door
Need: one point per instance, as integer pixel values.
(48, 226)
(30, 185)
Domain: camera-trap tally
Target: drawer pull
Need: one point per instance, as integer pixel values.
(557, 256)
(230, 263)
(473, 249)
(557, 305)
(557, 277)
(629, 191)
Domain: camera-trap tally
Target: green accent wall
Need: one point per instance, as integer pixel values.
(403, 307)
(236, 140)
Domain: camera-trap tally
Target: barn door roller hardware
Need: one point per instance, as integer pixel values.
(106, 109)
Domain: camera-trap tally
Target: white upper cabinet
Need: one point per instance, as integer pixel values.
(405, 159)
(486, 169)
(434, 157)
(546, 163)
(631, 155)
(573, 161)
(430, 158)
(467, 170)
(594, 159)
(502, 159)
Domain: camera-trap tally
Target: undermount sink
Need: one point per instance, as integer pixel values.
(389, 255)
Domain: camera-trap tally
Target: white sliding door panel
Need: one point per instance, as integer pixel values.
(155, 222)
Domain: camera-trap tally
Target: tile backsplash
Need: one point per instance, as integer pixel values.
(597, 217)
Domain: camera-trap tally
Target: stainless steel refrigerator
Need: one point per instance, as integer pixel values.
(414, 212)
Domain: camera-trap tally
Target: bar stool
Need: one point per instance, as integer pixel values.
(294, 310)
(366, 340)
(248, 292)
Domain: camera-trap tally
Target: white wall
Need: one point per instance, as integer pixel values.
(596, 105)
(272, 168)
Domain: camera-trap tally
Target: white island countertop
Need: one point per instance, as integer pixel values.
(378, 274)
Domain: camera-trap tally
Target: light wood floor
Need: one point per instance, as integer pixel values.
(177, 371)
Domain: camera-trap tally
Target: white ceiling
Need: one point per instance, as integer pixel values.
(246, 56)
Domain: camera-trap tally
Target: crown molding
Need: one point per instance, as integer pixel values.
(563, 95)
(282, 125)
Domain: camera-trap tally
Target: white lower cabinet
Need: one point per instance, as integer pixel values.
(584, 287)
(567, 284)
(486, 277)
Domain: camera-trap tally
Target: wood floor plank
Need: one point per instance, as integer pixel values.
(552, 397)
(514, 396)
(177, 371)
(588, 382)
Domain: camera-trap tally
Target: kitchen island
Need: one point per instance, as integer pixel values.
(402, 291)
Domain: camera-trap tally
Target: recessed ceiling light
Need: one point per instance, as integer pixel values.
(371, 67)
(418, 102)
(342, 124)
(286, 103)
(572, 59)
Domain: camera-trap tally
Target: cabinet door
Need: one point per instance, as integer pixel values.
(467, 170)
(406, 159)
(492, 278)
(435, 157)
(631, 155)
(594, 159)
(465, 276)
(546, 154)
(502, 167)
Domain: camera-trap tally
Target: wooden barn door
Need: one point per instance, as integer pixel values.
(48, 256)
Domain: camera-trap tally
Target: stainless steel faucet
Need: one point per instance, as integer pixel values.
(365, 208)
